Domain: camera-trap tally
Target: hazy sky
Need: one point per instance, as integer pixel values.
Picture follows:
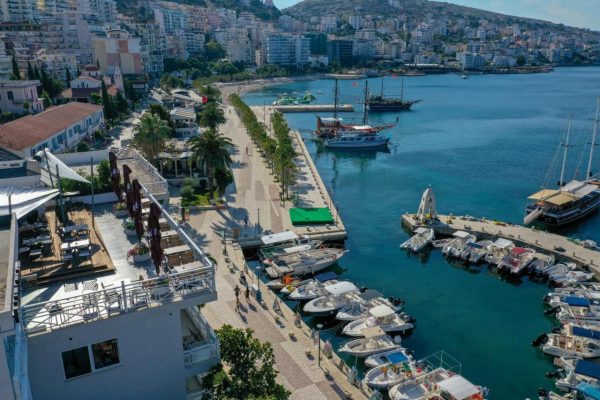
(580, 13)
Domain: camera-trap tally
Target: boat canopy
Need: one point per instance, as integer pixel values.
(370, 294)
(373, 331)
(503, 243)
(421, 230)
(340, 288)
(590, 391)
(585, 190)
(326, 276)
(561, 198)
(362, 127)
(458, 387)
(543, 194)
(381, 311)
(588, 368)
(279, 237)
(461, 234)
(584, 332)
(577, 301)
(396, 358)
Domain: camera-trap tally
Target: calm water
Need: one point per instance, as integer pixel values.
(484, 144)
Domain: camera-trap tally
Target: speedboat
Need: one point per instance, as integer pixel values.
(579, 310)
(311, 290)
(420, 240)
(570, 278)
(583, 371)
(387, 375)
(475, 251)
(498, 250)
(360, 306)
(320, 278)
(560, 295)
(458, 244)
(372, 343)
(541, 263)
(288, 242)
(574, 345)
(304, 262)
(284, 281)
(395, 356)
(338, 295)
(516, 261)
(560, 268)
(437, 384)
(382, 316)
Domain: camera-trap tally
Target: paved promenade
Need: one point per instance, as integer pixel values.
(255, 195)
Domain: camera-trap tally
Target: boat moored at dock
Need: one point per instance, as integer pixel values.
(382, 316)
(303, 262)
(375, 341)
(338, 296)
(422, 238)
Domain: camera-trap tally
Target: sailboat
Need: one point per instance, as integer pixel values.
(383, 103)
(570, 201)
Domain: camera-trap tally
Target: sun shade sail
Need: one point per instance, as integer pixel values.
(23, 200)
(458, 387)
(279, 237)
(49, 162)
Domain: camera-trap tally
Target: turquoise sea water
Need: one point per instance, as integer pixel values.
(484, 144)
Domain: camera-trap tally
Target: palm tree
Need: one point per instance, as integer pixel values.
(212, 116)
(211, 151)
(150, 135)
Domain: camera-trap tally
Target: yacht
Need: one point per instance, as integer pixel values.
(458, 244)
(320, 278)
(359, 307)
(570, 201)
(541, 263)
(498, 250)
(394, 356)
(570, 278)
(576, 342)
(437, 384)
(382, 316)
(390, 374)
(422, 238)
(474, 252)
(283, 243)
(337, 296)
(583, 372)
(371, 344)
(311, 290)
(515, 262)
(559, 269)
(579, 310)
(303, 263)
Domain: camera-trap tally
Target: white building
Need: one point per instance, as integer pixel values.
(356, 21)
(14, 94)
(286, 50)
(118, 49)
(470, 60)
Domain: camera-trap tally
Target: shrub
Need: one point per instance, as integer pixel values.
(187, 191)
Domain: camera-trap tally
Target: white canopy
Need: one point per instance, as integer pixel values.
(281, 237)
(458, 387)
(461, 234)
(24, 200)
(340, 288)
(421, 230)
(503, 243)
(53, 163)
(381, 311)
(372, 331)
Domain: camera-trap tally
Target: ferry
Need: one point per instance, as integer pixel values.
(381, 103)
(570, 201)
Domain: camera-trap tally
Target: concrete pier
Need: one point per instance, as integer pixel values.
(544, 242)
(311, 108)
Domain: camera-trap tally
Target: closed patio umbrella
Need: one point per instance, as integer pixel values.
(155, 236)
(128, 189)
(115, 175)
(137, 208)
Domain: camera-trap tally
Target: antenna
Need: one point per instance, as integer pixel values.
(562, 171)
(589, 169)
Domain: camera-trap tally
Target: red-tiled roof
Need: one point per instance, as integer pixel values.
(33, 129)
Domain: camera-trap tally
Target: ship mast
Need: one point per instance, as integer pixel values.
(589, 169)
(335, 100)
(382, 87)
(365, 116)
(562, 171)
(402, 90)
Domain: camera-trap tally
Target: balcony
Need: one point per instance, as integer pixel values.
(200, 344)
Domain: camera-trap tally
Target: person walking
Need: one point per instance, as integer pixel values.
(237, 292)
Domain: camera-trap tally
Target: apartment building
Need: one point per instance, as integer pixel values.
(15, 94)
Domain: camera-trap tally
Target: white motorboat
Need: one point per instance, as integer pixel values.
(579, 310)
(387, 375)
(381, 316)
(559, 296)
(304, 262)
(322, 278)
(338, 296)
(570, 278)
(475, 251)
(516, 261)
(561, 345)
(560, 268)
(498, 250)
(437, 384)
(394, 356)
(375, 341)
(288, 242)
(360, 306)
(458, 244)
(311, 290)
(420, 240)
(583, 372)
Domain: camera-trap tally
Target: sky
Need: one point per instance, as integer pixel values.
(578, 13)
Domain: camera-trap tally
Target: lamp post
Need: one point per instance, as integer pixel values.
(319, 327)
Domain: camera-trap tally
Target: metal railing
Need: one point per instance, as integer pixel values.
(207, 349)
(160, 184)
(106, 303)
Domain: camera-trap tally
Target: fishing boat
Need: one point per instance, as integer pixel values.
(363, 302)
(311, 290)
(515, 262)
(474, 252)
(572, 200)
(394, 356)
(303, 262)
(420, 240)
(577, 341)
(387, 375)
(498, 250)
(458, 244)
(322, 278)
(373, 342)
(583, 372)
(437, 384)
(382, 316)
(337, 296)
(381, 103)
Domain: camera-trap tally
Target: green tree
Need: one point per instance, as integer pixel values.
(108, 109)
(30, 73)
(211, 152)
(129, 91)
(50, 84)
(16, 73)
(211, 92)
(247, 371)
(95, 98)
(26, 106)
(214, 51)
(121, 104)
(47, 99)
(521, 61)
(78, 71)
(151, 135)
(212, 116)
(36, 73)
(68, 76)
(160, 111)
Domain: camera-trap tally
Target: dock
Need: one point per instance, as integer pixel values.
(545, 242)
(311, 108)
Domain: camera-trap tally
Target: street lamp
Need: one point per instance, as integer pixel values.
(319, 327)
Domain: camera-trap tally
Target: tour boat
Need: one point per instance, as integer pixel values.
(583, 343)
(387, 375)
(359, 137)
(437, 384)
(498, 250)
(458, 244)
(381, 103)
(363, 302)
(474, 252)
(420, 240)
(382, 316)
(304, 262)
(394, 356)
(320, 278)
(583, 372)
(516, 261)
(311, 290)
(338, 296)
(374, 343)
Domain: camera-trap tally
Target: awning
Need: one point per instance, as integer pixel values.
(592, 392)
(53, 163)
(561, 198)
(281, 237)
(461, 234)
(584, 332)
(503, 243)
(381, 311)
(340, 288)
(542, 194)
(588, 368)
(24, 201)
(577, 301)
(458, 387)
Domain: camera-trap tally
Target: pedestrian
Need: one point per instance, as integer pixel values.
(247, 295)
(237, 305)
(247, 151)
(246, 220)
(237, 292)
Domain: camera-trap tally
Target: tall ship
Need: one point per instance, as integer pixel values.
(381, 103)
(572, 200)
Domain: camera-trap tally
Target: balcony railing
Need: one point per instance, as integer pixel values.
(208, 348)
(158, 185)
(106, 303)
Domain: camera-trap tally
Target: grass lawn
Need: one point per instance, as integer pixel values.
(199, 200)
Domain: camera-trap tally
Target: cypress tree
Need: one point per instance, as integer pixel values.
(30, 73)
(68, 76)
(16, 73)
(47, 99)
(121, 103)
(98, 63)
(78, 71)
(108, 111)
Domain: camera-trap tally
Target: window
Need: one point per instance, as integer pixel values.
(76, 362)
(10, 95)
(105, 354)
